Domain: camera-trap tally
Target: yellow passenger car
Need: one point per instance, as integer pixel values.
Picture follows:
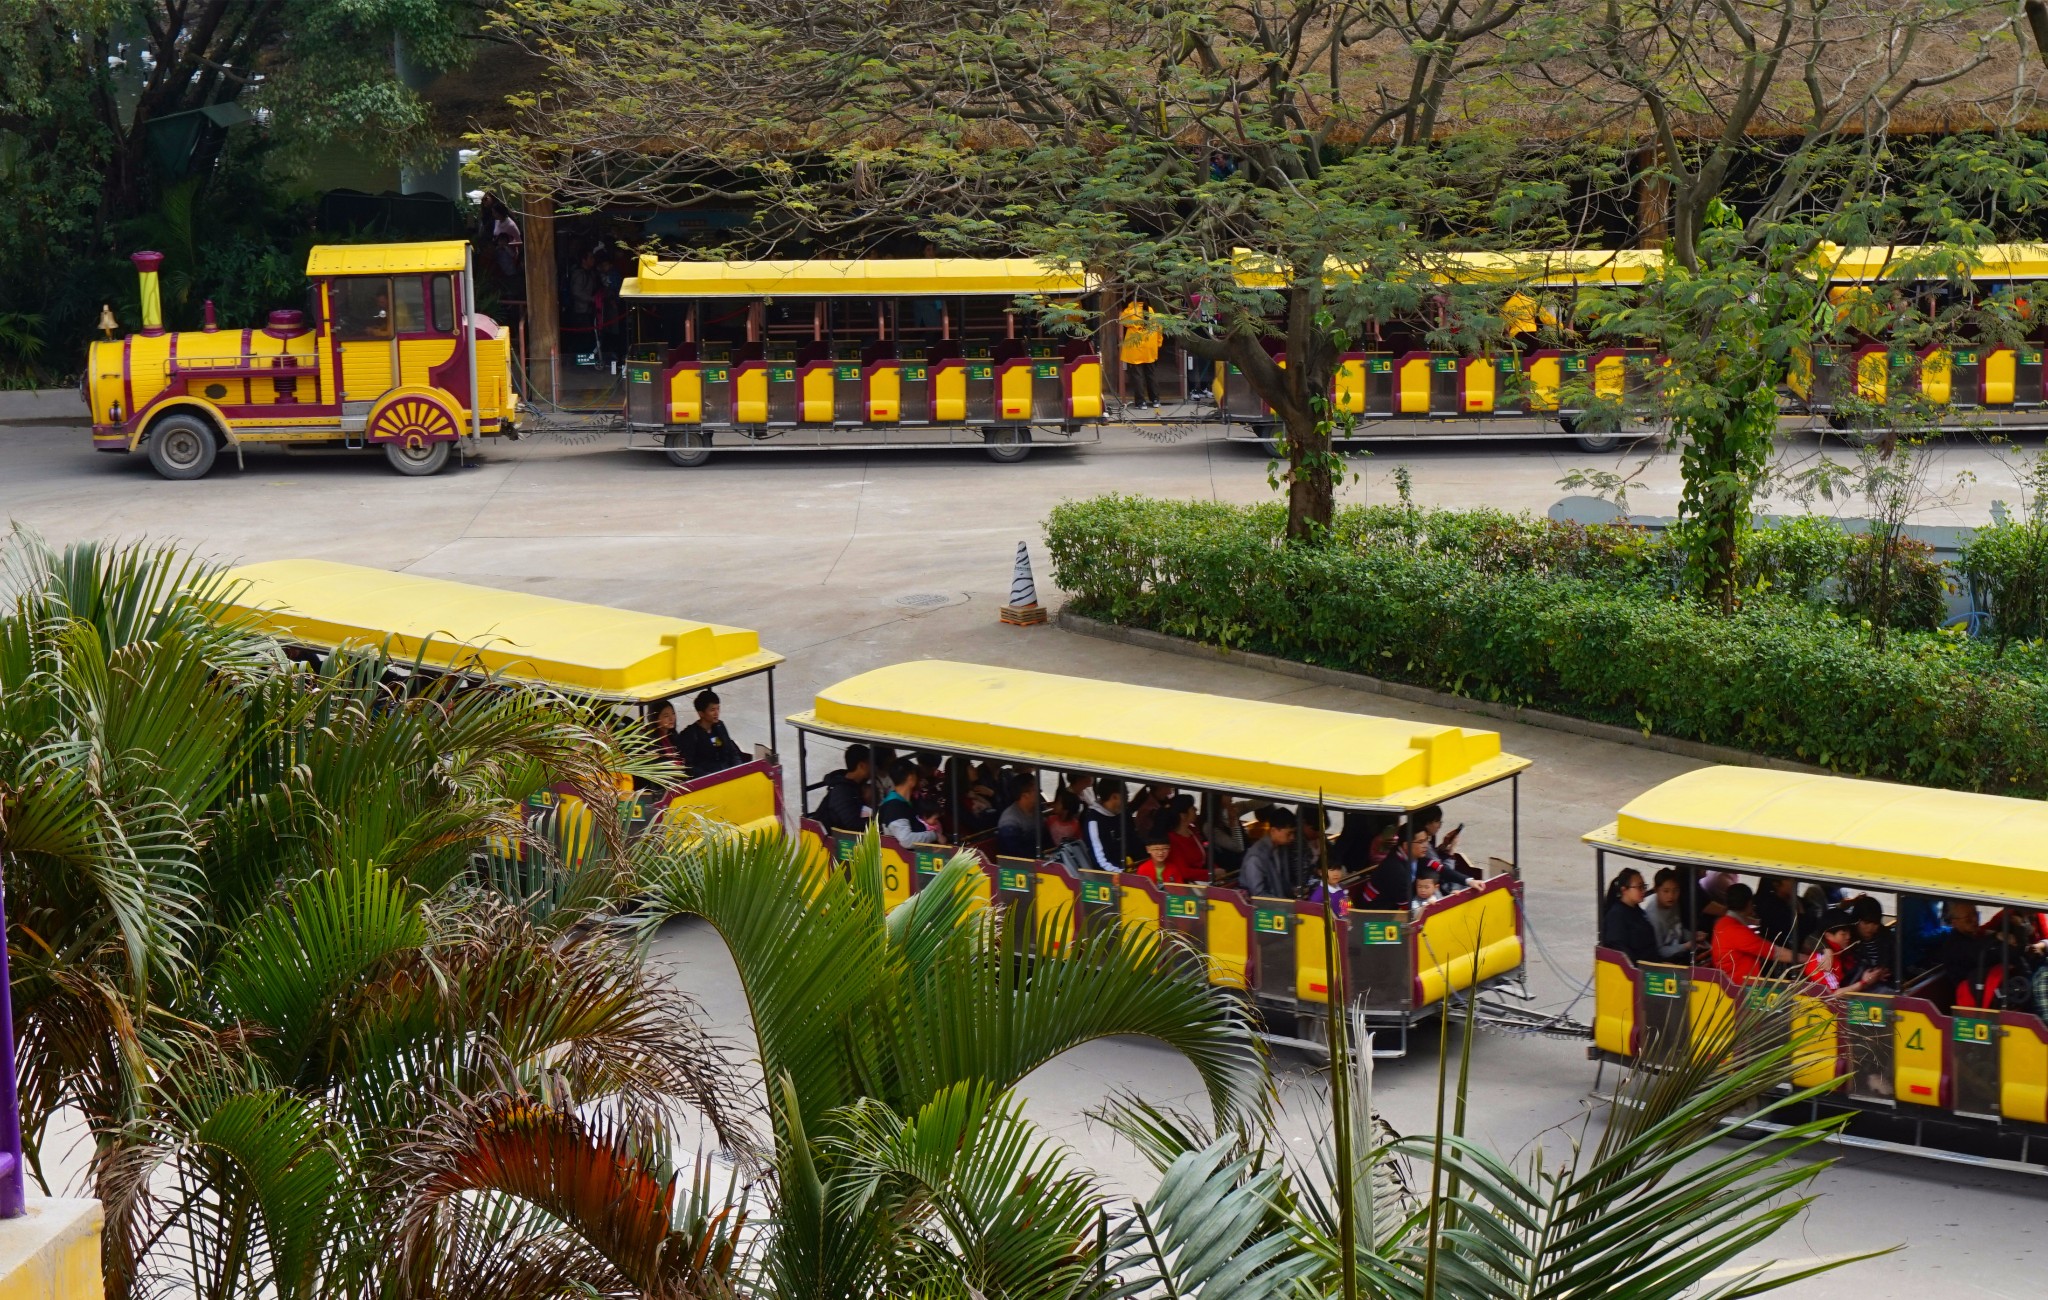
(1924, 1065)
(1403, 388)
(1400, 966)
(631, 661)
(391, 355)
(915, 352)
(1996, 381)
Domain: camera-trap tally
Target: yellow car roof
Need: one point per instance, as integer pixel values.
(1944, 842)
(593, 650)
(386, 259)
(1211, 742)
(866, 278)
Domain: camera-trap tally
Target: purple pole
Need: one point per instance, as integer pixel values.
(13, 1201)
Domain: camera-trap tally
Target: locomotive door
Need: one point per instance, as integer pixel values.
(365, 342)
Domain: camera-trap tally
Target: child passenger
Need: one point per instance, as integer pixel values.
(1330, 885)
(1426, 887)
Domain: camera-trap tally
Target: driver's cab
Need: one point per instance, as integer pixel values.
(392, 330)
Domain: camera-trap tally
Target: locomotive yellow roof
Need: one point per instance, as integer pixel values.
(386, 259)
(1942, 842)
(867, 278)
(613, 654)
(1284, 751)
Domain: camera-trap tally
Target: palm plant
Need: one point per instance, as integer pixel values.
(253, 949)
(891, 1042)
(1655, 1205)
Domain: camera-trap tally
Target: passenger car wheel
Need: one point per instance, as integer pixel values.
(1007, 445)
(688, 448)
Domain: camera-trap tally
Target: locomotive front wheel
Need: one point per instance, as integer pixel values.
(182, 447)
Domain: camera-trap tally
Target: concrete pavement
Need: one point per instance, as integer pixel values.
(838, 561)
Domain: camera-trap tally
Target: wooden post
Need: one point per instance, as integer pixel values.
(543, 305)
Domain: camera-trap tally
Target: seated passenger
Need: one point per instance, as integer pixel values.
(706, 745)
(1311, 838)
(1224, 833)
(1676, 941)
(1922, 931)
(1158, 847)
(897, 814)
(1392, 882)
(1080, 784)
(1426, 892)
(1063, 819)
(1017, 830)
(1329, 887)
(1738, 951)
(661, 730)
(1967, 960)
(931, 784)
(1832, 963)
(1713, 893)
(1777, 910)
(1623, 927)
(1151, 800)
(1188, 863)
(844, 805)
(1367, 839)
(1875, 945)
(1453, 871)
(1270, 864)
(1103, 827)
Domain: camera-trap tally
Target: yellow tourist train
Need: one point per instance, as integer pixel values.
(1923, 1066)
(390, 355)
(875, 354)
(1005, 355)
(1922, 1063)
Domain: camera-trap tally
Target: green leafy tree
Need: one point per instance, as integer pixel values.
(126, 120)
(1277, 184)
(1765, 139)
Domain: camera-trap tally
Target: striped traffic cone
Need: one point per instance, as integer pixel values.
(1023, 609)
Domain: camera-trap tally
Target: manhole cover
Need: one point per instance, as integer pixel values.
(924, 600)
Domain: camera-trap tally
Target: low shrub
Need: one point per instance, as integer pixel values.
(2007, 566)
(1781, 677)
(1918, 583)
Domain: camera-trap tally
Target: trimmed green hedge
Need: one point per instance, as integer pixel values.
(1577, 620)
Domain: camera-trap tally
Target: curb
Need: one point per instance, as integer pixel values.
(1606, 731)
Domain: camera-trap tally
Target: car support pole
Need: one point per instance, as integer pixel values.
(1515, 822)
(476, 419)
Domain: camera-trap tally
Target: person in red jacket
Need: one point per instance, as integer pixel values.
(1739, 952)
(1831, 964)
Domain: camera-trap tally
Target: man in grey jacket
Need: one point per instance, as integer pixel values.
(1272, 868)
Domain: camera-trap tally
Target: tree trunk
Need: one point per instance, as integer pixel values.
(1311, 488)
(543, 308)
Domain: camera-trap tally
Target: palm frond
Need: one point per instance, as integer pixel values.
(973, 1191)
(1214, 1230)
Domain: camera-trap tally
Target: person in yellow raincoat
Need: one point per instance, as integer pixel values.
(1140, 349)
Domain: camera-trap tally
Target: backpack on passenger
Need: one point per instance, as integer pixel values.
(1073, 855)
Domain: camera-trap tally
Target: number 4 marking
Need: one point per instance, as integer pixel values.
(1913, 1041)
